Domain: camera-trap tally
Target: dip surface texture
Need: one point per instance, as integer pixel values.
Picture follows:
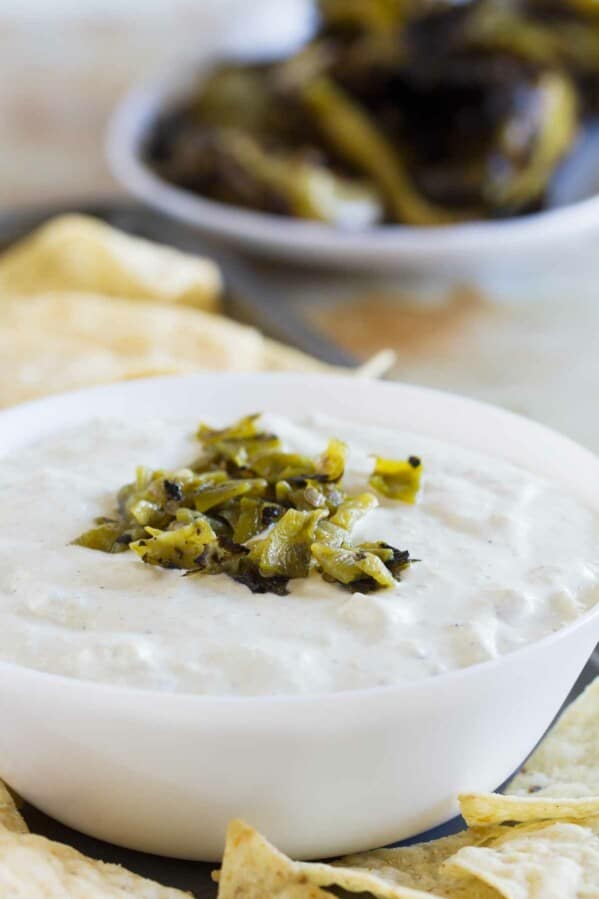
(505, 558)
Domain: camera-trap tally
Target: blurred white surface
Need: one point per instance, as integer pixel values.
(64, 65)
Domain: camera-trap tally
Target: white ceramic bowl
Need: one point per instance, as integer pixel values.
(321, 775)
(473, 250)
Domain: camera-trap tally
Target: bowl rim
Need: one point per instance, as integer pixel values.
(139, 107)
(86, 395)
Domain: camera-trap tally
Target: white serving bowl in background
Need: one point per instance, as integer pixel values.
(539, 243)
(321, 775)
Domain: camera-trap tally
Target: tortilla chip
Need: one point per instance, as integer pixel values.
(32, 867)
(64, 341)
(84, 304)
(494, 808)
(559, 860)
(80, 253)
(9, 815)
(526, 861)
(358, 880)
(253, 869)
(420, 866)
(559, 780)
(60, 342)
(295, 891)
(566, 762)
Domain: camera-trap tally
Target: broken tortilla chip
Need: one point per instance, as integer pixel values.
(84, 304)
(33, 867)
(253, 869)
(420, 866)
(10, 818)
(81, 253)
(559, 860)
(495, 808)
(55, 342)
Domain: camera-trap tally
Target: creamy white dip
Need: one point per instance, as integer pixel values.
(506, 558)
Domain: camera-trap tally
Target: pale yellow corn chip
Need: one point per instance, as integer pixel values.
(65, 341)
(80, 253)
(32, 867)
(420, 866)
(253, 869)
(84, 304)
(9, 814)
(494, 808)
(546, 861)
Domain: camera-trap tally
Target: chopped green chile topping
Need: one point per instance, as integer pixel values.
(356, 568)
(353, 509)
(397, 479)
(249, 520)
(243, 429)
(208, 497)
(331, 464)
(286, 551)
(331, 534)
(279, 466)
(255, 515)
(396, 560)
(176, 548)
(105, 537)
(262, 516)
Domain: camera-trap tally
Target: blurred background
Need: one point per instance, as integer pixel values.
(64, 65)
(519, 329)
